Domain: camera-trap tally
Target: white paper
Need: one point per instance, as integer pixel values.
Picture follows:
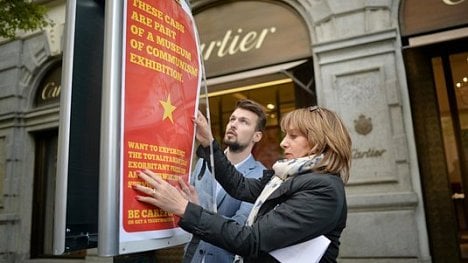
(310, 251)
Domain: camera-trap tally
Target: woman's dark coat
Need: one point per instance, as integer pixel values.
(303, 207)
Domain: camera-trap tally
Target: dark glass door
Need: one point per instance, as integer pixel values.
(451, 80)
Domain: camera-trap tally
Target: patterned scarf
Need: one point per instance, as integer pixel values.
(284, 169)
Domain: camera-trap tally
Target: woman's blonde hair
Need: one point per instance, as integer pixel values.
(326, 134)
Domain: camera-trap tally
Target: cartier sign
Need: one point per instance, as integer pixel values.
(49, 87)
(242, 35)
(50, 91)
(232, 43)
(424, 16)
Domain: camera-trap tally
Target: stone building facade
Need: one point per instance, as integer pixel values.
(364, 66)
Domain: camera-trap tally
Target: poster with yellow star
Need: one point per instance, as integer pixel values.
(161, 82)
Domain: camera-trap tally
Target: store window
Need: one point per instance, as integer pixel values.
(244, 45)
(278, 93)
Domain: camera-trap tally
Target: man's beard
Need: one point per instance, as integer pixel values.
(235, 146)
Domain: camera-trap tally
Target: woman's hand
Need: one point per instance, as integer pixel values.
(203, 132)
(189, 192)
(161, 194)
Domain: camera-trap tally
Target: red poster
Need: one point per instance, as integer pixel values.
(161, 85)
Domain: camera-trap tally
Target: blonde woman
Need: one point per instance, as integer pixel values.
(303, 197)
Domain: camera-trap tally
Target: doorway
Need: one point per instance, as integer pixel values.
(43, 210)
(438, 87)
(451, 82)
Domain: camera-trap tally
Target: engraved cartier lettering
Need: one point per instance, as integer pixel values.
(369, 153)
(235, 42)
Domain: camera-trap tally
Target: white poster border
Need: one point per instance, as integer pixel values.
(157, 239)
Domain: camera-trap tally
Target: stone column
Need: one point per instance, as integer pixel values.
(360, 74)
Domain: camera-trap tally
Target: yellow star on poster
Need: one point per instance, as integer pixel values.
(168, 108)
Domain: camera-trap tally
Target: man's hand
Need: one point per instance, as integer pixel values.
(203, 132)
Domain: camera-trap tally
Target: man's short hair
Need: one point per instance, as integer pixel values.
(256, 108)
